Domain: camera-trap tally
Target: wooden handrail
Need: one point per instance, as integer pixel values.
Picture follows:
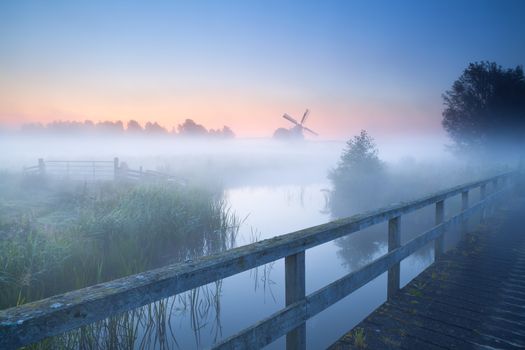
(34, 321)
(280, 323)
(80, 161)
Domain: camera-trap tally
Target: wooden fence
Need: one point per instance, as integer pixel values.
(52, 316)
(77, 169)
(94, 170)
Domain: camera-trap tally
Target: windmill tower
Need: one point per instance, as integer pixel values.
(295, 132)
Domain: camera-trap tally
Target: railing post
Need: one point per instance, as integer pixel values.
(438, 243)
(494, 190)
(394, 242)
(483, 195)
(295, 289)
(41, 166)
(115, 168)
(464, 206)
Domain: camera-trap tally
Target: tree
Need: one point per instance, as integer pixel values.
(110, 127)
(154, 129)
(359, 156)
(190, 128)
(485, 108)
(134, 127)
(227, 132)
(358, 177)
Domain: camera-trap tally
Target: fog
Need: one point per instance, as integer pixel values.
(264, 187)
(249, 156)
(428, 161)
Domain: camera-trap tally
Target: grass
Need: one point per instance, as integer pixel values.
(359, 338)
(57, 237)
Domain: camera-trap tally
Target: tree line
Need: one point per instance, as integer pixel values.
(188, 128)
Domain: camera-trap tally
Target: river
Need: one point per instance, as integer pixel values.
(246, 298)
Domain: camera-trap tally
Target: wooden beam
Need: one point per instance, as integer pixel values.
(483, 195)
(282, 321)
(116, 168)
(394, 242)
(295, 287)
(34, 321)
(439, 243)
(268, 330)
(41, 166)
(464, 207)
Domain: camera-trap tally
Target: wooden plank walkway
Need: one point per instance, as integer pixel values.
(474, 298)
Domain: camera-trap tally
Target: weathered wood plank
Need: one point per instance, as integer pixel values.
(335, 291)
(267, 330)
(34, 321)
(295, 289)
(394, 241)
(459, 301)
(438, 244)
(464, 206)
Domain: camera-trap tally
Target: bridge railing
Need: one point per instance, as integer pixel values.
(58, 314)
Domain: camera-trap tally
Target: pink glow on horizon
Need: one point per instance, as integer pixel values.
(247, 115)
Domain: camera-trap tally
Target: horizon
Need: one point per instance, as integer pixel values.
(377, 66)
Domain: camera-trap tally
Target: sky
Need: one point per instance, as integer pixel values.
(375, 65)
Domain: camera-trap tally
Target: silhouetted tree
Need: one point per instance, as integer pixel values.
(485, 107)
(154, 128)
(358, 176)
(110, 127)
(134, 127)
(88, 126)
(190, 128)
(227, 133)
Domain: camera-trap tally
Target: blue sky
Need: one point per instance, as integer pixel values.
(380, 65)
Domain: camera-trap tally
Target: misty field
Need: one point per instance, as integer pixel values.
(58, 236)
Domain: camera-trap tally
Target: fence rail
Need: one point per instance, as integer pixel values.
(97, 170)
(34, 321)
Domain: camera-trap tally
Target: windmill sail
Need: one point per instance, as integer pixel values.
(297, 130)
(286, 116)
(310, 130)
(305, 116)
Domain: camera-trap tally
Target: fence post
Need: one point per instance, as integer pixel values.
(394, 241)
(438, 243)
(294, 267)
(483, 195)
(41, 166)
(115, 168)
(464, 206)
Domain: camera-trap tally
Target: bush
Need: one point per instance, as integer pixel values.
(358, 178)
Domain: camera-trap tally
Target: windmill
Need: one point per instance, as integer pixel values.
(297, 130)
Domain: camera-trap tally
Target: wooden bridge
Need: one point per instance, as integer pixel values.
(35, 321)
(472, 298)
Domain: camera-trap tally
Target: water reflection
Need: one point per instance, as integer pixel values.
(204, 316)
